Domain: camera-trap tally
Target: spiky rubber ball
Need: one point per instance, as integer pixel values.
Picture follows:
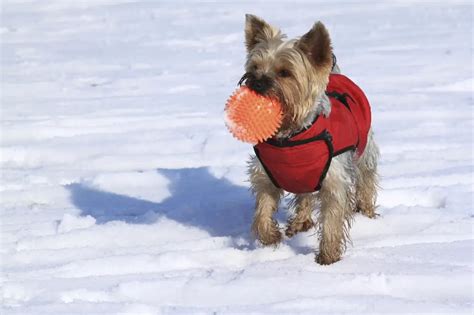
(251, 117)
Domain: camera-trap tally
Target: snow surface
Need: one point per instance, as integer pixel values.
(122, 191)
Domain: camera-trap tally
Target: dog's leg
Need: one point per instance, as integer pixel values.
(267, 198)
(367, 179)
(337, 197)
(303, 205)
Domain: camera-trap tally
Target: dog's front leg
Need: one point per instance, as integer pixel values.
(337, 203)
(267, 197)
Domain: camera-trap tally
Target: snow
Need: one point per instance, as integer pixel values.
(122, 191)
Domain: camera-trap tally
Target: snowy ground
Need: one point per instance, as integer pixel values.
(122, 191)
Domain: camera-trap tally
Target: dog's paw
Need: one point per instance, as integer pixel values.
(323, 259)
(268, 233)
(296, 226)
(372, 215)
(369, 212)
(271, 240)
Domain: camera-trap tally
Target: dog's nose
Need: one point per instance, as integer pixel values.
(260, 85)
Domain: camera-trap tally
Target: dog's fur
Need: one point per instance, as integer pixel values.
(297, 72)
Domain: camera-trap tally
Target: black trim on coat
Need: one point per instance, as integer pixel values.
(328, 140)
(341, 97)
(283, 143)
(344, 150)
(265, 168)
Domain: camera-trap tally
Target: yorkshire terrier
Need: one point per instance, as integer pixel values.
(338, 168)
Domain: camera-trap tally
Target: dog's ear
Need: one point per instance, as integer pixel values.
(257, 30)
(316, 44)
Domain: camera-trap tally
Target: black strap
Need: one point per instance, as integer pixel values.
(284, 143)
(340, 97)
(257, 153)
(334, 62)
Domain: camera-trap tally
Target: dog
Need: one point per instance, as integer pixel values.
(298, 73)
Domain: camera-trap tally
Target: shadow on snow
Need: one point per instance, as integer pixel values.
(197, 198)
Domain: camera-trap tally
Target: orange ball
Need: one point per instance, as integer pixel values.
(251, 117)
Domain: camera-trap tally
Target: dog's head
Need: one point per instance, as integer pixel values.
(294, 71)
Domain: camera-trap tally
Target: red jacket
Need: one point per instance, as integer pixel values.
(300, 163)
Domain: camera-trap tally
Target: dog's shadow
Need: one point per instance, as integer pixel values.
(197, 199)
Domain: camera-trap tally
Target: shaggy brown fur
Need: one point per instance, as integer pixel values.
(281, 64)
(267, 196)
(297, 72)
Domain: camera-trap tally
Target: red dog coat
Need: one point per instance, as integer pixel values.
(300, 163)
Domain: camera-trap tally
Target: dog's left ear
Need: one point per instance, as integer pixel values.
(316, 44)
(257, 30)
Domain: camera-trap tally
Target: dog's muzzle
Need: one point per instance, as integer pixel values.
(260, 85)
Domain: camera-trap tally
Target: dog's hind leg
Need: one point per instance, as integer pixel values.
(267, 198)
(337, 197)
(303, 205)
(367, 179)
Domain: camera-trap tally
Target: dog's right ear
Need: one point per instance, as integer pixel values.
(257, 30)
(316, 44)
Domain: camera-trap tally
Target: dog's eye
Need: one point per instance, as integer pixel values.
(284, 73)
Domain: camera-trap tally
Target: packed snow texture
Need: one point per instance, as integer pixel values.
(123, 192)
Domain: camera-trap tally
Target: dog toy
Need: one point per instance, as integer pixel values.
(251, 117)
